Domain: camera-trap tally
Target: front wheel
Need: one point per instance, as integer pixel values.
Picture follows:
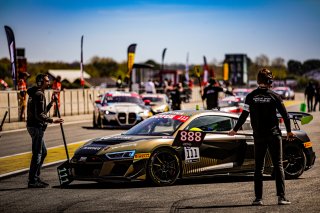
(163, 167)
(294, 161)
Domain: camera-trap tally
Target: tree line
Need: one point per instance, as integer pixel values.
(108, 67)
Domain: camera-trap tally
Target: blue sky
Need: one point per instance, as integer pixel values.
(51, 30)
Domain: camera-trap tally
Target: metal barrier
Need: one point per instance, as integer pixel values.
(72, 101)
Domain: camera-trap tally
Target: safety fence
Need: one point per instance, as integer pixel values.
(72, 102)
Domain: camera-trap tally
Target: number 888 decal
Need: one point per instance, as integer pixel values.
(189, 138)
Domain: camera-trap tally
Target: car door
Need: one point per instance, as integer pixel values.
(219, 152)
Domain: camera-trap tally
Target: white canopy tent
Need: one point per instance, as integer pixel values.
(69, 75)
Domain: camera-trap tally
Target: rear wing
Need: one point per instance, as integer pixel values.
(303, 117)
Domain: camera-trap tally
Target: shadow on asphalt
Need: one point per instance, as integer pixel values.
(214, 207)
(194, 181)
(13, 189)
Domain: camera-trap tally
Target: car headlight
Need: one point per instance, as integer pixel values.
(162, 108)
(109, 112)
(145, 113)
(121, 155)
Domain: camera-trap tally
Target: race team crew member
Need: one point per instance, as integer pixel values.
(211, 94)
(37, 121)
(57, 87)
(262, 105)
(22, 87)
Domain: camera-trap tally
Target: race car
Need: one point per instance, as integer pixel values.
(185, 144)
(286, 93)
(241, 93)
(232, 104)
(124, 109)
(158, 102)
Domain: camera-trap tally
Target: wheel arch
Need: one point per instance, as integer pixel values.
(173, 150)
(169, 148)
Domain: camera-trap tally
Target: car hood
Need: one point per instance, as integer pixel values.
(118, 143)
(122, 107)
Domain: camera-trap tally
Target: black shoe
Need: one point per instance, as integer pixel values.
(257, 202)
(37, 185)
(283, 201)
(44, 183)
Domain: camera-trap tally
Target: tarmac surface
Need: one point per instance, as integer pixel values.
(19, 163)
(215, 194)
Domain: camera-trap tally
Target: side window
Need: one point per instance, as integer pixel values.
(212, 123)
(246, 126)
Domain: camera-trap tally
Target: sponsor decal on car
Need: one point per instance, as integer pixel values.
(92, 147)
(192, 154)
(83, 159)
(142, 156)
(307, 144)
(181, 118)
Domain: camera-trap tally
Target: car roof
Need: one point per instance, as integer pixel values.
(192, 113)
(153, 95)
(121, 93)
(242, 90)
(281, 88)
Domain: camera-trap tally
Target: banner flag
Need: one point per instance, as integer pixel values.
(205, 71)
(131, 54)
(187, 68)
(12, 52)
(163, 55)
(81, 63)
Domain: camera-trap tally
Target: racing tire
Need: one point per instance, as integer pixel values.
(294, 161)
(163, 167)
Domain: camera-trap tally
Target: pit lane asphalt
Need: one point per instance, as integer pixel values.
(215, 194)
(19, 163)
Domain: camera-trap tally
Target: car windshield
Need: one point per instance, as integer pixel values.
(122, 99)
(279, 90)
(242, 93)
(158, 125)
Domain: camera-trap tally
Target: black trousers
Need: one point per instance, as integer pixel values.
(39, 153)
(316, 101)
(310, 103)
(273, 143)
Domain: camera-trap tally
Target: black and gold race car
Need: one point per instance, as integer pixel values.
(184, 144)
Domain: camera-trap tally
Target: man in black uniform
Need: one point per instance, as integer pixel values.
(262, 104)
(309, 93)
(211, 94)
(37, 121)
(176, 98)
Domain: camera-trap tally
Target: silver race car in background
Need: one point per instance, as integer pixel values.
(124, 109)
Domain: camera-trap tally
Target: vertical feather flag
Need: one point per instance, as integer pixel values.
(81, 63)
(187, 68)
(205, 72)
(131, 54)
(163, 55)
(12, 52)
